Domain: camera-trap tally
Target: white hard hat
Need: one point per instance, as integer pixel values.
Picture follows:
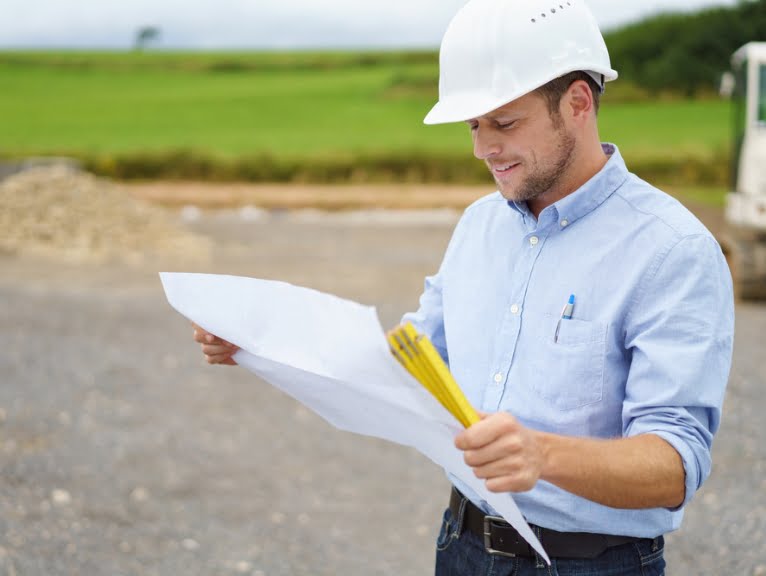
(495, 51)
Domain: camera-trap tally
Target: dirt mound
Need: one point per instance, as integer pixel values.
(60, 212)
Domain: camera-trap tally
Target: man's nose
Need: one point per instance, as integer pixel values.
(486, 144)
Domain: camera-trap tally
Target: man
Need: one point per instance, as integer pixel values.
(599, 418)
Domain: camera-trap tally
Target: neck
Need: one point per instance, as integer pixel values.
(585, 163)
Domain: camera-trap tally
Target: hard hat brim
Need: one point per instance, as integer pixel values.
(467, 106)
(457, 109)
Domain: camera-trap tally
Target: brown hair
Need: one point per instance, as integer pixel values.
(554, 90)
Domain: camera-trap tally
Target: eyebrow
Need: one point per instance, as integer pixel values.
(494, 118)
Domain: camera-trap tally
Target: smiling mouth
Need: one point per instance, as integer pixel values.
(504, 168)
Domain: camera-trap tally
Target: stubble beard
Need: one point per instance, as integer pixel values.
(542, 179)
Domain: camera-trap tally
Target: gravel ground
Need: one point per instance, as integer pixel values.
(122, 453)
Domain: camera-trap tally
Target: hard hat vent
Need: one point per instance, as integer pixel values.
(553, 11)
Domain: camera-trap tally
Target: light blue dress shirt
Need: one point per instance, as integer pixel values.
(648, 349)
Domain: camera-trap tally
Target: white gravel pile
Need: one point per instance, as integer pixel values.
(63, 213)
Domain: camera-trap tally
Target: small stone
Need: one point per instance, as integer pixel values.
(421, 530)
(139, 494)
(243, 567)
(64, 418)
(711, 499)
(125, 547)
(304, 519)
(278, 518)
(760, 570)
(189, 544)
(61, 497)
(3, 415)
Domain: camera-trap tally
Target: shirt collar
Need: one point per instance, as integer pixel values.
(589, 196)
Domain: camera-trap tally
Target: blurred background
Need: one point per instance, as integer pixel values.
(284, 140)
(298, 92)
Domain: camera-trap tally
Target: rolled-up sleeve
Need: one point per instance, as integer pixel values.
(679, 336)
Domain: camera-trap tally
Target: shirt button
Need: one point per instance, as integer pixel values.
(564, 223)
(499, 377)
(534, 240)
(515, 309)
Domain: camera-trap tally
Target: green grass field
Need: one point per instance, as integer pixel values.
(304, 107)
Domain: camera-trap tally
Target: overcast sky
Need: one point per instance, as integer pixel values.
(275, 24)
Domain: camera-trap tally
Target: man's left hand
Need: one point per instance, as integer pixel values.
(504, 453)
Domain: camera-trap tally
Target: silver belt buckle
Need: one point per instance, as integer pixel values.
(488, 536)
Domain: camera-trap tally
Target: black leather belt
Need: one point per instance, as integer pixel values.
(500, 538)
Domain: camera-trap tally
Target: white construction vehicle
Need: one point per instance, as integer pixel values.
(745, 241)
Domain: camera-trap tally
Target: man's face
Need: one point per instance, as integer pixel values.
(527, 150)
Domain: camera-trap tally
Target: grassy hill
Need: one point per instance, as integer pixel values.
(297, 117)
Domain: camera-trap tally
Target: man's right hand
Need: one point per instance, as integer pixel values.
(216, 350)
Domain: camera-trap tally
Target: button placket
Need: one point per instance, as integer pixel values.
(508, 333)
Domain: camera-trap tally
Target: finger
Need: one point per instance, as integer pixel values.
(497, 468)
(520, 482)
(230, 362)
(199, 335)
(484, 432)
(203, 336)
(498, 450)
(217, 358)
(216, 349)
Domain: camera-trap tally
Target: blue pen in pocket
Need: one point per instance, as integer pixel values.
(566, 314)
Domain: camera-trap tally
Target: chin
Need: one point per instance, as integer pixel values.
(509, 195)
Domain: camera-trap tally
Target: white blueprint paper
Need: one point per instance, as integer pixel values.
(331, 355)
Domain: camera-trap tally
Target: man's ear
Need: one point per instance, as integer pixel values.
(578, 100)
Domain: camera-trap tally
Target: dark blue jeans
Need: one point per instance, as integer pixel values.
(461, 553)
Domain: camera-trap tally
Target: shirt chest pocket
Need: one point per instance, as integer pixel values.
(567, 371)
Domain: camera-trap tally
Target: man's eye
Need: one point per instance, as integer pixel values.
(506, 125)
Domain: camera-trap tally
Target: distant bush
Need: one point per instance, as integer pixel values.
(224, 62)
(404, 167)
(685, 53)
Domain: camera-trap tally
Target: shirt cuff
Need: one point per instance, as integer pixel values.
(692, 479)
